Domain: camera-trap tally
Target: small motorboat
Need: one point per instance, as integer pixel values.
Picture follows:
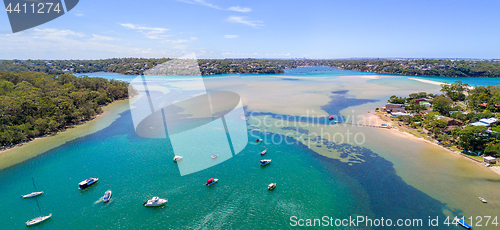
(265, 162)
(33, 194)
(258, 140)
(211, 181)
(87, 183)
(177, 158)
(107, 196)
(215, 156)
(155, 202)
(38, 220)
(462, 223)
(271, 186)
(483, 200)
(330, 118)
(263, 152)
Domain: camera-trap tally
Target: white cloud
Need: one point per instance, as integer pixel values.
(56, 33)
(240, 9)
(243, 20)
(42, 44)
(204, 3)
(182, 40)
(231, 36)
(150, 32)
(96, 37)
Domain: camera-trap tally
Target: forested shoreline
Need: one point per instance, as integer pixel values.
(137, 66)
(34, 104)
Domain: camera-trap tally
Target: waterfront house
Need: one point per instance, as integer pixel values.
(490, 160)
(397, 114)
(390, 107)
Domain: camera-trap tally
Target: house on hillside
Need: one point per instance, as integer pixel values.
(485, 122)
(451, 124)
(423, 99)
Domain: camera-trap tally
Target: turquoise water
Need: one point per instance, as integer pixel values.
(135, 169)
(330, 72)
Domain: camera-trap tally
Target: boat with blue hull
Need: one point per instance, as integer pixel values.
(87, 183)
(462, 223)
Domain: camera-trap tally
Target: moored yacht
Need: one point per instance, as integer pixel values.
(215, 156)
(211, 181)
(155, 202)
(107, 196)
(263, 152)
(33, 194)
(88, 182)
(258, 140)
(265, 162)
(177, 158)
(483, 200)
(38, 220)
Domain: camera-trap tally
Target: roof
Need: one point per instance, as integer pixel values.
(485, 122)
(400, 114)
(489, 158)
(488, 120)
(478, 124)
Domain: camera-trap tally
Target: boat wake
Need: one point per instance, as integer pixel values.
(98, 201)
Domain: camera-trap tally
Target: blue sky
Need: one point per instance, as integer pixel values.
(262, 29)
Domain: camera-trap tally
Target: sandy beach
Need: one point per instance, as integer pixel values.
(427, 81)
(397, 130)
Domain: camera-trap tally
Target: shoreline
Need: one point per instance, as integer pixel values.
(21, 152)
(395, 130)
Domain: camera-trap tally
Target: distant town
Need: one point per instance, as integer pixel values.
(137, 66)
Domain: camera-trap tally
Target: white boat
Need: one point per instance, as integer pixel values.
(107, 196)
(177, 158)
(33, 194)
(258, 140)
(265, 162)
(155, 202)
(215, 156)
(271, 186)
(483, 200)
(211, 181)
(263, 152)
(87, 183)
(38, 220)
(41, 218)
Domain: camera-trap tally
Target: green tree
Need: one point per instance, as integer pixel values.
(442, 104)
(473, 138)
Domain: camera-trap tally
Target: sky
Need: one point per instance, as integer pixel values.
(327, 29)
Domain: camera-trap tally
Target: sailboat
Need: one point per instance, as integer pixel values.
(41, 218)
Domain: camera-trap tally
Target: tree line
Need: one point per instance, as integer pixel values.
(33, 104)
